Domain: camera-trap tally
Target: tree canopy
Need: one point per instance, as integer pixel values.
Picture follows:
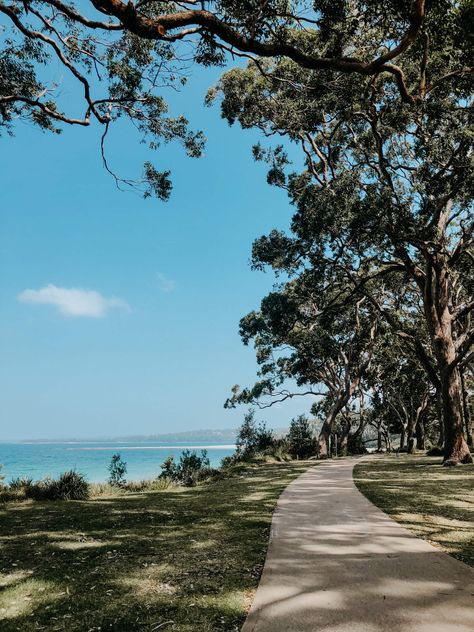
(121, 56)
(384, 201)
(378, 97)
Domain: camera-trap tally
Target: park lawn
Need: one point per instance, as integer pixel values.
(186, 559)
(435, 502)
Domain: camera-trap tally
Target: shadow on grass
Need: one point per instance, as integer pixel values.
(436, 503)
(185, 558)
(337, 563)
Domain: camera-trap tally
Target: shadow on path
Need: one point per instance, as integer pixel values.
(336, 563)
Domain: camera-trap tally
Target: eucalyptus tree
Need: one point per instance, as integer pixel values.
(381, 106)
(385, 193)
(323, 352)
(401, 393)
(116, 59)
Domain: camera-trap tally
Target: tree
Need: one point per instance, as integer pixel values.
(385, 195)
(121, 56)
(117, 470)
(252, 437)
(300, 437)
(325, 352)
(377, 94)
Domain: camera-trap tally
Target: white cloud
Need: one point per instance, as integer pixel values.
(73, 301)
(166, 285)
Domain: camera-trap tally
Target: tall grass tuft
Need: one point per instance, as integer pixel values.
(71, 485)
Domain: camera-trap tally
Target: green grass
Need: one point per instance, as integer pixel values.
(173, 559)
(434, 502)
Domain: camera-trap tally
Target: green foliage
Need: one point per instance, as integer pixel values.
(300, 437)
(119, 68)
(187, 555)
(191, 469)
(253, 437)
(382, 196)
(20, 482)
(71, 485)
(117, 470)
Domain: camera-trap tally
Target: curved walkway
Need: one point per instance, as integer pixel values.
(336, 563)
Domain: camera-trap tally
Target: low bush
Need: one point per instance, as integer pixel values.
(71, 485)
(191, 469)
(20, 482)
(281, 450)
(253, 437)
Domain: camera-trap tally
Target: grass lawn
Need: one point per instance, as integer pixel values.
(435, 502)
(177, 559)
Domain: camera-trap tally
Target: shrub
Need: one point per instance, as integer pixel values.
(20, 482)
(117, 470)
(253, 437)
(71, 485)
(300, 438)
(191, 469)
(281, 450)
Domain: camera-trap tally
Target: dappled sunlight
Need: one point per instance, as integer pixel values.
(23, 597)
(131, 561)
(434, 502)
(337, 564)
(69, 545)
(202, 545)
(148, 581)
(8, 579)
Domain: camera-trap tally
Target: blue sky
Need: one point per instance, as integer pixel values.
(155, 346)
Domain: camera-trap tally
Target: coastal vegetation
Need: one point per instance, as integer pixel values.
(365, 116)
(183, 558)
(371, 104)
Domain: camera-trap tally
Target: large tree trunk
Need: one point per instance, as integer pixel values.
(456, 449)
(343, 445)
(466, 413)
(419, 429)
(411, 435)
(326, 429)
(342, 396)
(420, 434)
(437, 302)
(323, 439)
(402, 439)
(439, 413)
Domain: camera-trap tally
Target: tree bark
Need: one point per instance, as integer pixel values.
(344, 440)
(420, 434)
(402, 439)
(379, 438)
(411, 435)
(456, 449)
(466, 413)
(323, 439)
(437, 300)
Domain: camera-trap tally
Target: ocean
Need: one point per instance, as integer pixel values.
(143, 459)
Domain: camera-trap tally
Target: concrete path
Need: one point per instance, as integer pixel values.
(336, 563)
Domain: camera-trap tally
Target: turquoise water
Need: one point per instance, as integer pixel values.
(92, 458)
